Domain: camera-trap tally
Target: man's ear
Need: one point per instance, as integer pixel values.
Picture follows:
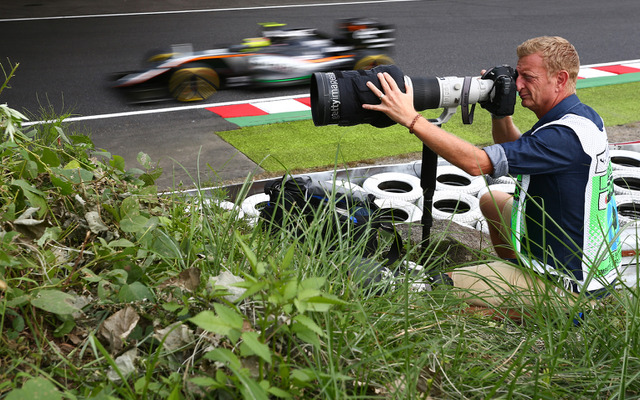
(562, 80)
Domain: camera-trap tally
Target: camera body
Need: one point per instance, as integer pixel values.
(337, 97)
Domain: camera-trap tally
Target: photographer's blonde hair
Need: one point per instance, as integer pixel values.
(557, 54)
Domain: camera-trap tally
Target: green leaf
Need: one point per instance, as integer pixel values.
(117, 162)
(224, 356)
(121, 243)
(313, 283)
(250, 388)
(205, 381)
(134, 292)
(18, 301)
(35, 389)
(77, 175)
(27, 187)
(66, 188)
(66, 328)
(257, 267)
(227, 322)
(54, 301)
(302, 375)
(144, 159)
(50, 233)
(129, 207)
(324, 302)
(309, 324)
(305, 334)
(279, 393)
(50, 157)
(288, 257)
(252, 345)
(134, 224)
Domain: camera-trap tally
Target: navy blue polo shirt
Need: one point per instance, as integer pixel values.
(559, 170)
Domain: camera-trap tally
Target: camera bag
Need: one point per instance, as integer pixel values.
(297, 202)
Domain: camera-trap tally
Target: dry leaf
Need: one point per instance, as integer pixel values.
(126, 364)
(227, 280)
(117, 327)
(175, 337)
(189, 279)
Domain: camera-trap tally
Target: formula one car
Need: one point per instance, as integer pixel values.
(280, 57)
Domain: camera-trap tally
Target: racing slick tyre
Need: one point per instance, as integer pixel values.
(624, 159)
(399, 211)
(461, 208)
(371, 61)
(194, 82)
(628, 208)
(394, 185)
(449, 177)
(626, 181)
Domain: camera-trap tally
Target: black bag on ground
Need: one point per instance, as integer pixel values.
(296, 202)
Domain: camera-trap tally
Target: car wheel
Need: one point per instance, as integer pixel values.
(194, 83)
(369, 62)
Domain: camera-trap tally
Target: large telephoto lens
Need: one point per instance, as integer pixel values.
(337, 97)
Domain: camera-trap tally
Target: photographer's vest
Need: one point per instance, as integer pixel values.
(600, 247)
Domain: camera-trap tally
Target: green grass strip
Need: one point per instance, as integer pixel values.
(299, 144)
(608, 80)
(271, 118)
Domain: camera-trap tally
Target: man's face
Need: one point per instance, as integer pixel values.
(537, 90)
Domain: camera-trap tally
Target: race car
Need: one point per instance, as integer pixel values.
(281, 56)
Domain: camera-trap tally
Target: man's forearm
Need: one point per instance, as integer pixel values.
(504, 130)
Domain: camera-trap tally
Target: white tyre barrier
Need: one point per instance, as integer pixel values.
(401, 211)
(252, 205)
(483, 226)
(498, 187)
(630, 245)
(624, 159)
(628, 208)
(395, 186)
(449, 177)
(461, 208)
(506, 179)
(229, 206)
(626, 182)
(341, 184)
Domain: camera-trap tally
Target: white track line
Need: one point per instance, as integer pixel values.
(201, 11)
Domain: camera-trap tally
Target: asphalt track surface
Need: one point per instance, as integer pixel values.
(67, 49)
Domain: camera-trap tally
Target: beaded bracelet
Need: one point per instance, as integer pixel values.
(413, 123)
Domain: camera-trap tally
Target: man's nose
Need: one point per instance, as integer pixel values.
(519, 83)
